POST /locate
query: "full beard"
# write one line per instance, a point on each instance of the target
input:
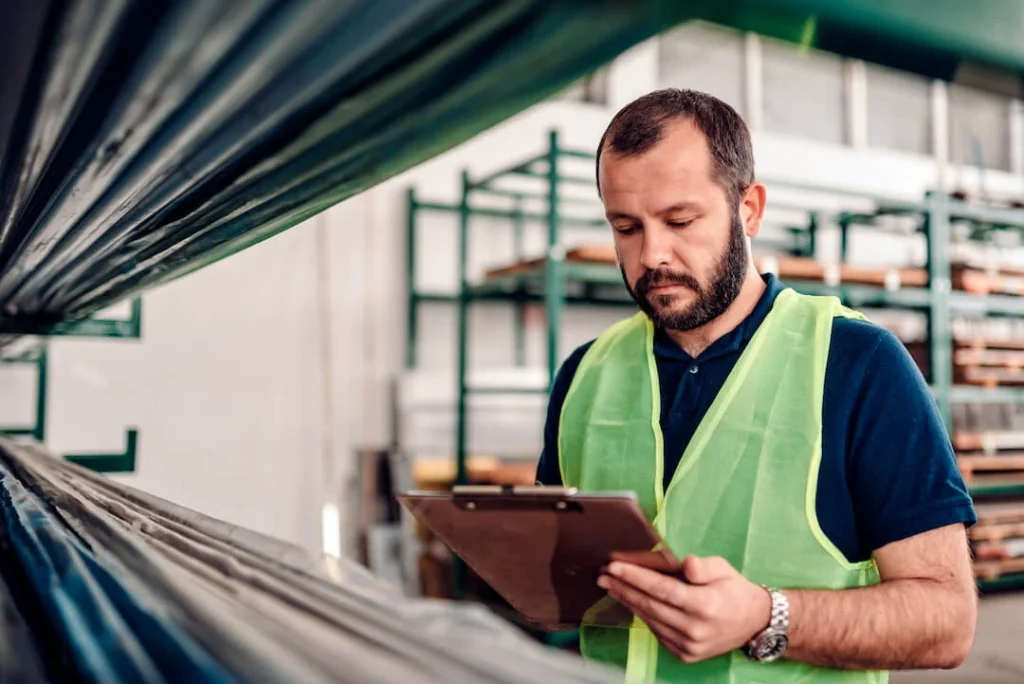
(710, 302)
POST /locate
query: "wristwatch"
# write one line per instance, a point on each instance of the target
(771, 643)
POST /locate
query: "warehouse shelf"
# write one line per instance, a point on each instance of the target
(561, 277)
(94, 326)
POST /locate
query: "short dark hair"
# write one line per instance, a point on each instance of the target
(638, 126)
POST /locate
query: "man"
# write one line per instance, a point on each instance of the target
(787, 449)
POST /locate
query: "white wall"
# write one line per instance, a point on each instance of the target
(258, 377)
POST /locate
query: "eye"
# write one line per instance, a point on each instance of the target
(627, 229)
(680, 224)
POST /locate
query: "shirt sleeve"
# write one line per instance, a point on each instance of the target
(902, 469)
(548, 471)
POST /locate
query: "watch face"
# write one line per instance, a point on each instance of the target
(770, 646)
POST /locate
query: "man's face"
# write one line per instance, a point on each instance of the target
(681, 244)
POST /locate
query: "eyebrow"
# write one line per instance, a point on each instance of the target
(678, 206)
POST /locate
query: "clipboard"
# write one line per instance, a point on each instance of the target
(543, 548)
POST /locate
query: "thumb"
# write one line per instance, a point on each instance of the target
(699, 570)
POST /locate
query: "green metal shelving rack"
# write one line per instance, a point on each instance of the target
(600, 285)
(38, 356)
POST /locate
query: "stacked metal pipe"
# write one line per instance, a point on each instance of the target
(104, 583)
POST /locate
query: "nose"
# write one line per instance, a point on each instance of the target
(657, 247)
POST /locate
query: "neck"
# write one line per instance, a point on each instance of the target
(695, 341)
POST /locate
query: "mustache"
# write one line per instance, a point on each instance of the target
(663, 277)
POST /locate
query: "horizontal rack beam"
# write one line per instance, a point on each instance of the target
(1007, 489)
(530, 173)
(966, 394)
(523, 195)
(964, 302)
(850, 293)
(510, 214)
(578, 154)
(503, 297)
(507, 390)
(1003, 216)
(483, 182)
(1011, 581)
(87, 327)
(18, 431)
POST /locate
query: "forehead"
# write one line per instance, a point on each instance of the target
(680, 161)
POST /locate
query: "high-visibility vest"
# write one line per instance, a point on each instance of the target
(745, 488)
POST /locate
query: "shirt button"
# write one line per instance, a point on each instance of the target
(693, 370)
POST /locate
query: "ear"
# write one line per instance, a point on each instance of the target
(752, 208)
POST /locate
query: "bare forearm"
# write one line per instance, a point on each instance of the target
(900, 624)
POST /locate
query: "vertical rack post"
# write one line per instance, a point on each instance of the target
(135, 322)
(553, 265)
(844, 238)
(940, 338)
(461, 472)
(42, 362)
(412, 298)
(518, 248)
(460, 455)
(812, 236)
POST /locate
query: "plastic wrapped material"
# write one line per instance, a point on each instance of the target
(148, 139)
(137, 589)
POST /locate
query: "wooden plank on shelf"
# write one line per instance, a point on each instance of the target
(1001, 512)
(584, 254)
(986, 376)
(997, 483)
(593, 254)
(439, 473)
(999, 548)
(806, 268)
(981, 282)
(989, 532)
(972, 463)
(966, 278)
(994, 569)
(975, 356)
(989, 343)
(989, 198)
(518, 268)
(988, 442)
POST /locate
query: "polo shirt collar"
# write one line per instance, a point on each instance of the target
(732, 340)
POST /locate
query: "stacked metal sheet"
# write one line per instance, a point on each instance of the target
(143, 139)
(107, 584)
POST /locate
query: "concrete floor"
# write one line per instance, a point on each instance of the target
(998, 653)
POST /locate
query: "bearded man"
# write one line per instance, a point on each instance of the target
(788, 450)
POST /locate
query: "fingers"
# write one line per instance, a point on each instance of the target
(698, 570)
(660, 586)
(645, 606)
(686, 637)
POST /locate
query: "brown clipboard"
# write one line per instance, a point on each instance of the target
(543, 548)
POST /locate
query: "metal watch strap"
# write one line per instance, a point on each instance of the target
(770, 643)
(780, 611)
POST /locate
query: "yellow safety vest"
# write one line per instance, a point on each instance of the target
(745, 488)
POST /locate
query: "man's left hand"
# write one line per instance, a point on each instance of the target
(715, 611)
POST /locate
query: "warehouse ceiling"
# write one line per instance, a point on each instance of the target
(141, 140)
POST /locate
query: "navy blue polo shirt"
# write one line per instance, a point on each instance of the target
(888, 470)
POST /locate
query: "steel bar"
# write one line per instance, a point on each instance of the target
(224, 604)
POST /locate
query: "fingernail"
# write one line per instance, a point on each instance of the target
(615, 569)
(603, 582)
